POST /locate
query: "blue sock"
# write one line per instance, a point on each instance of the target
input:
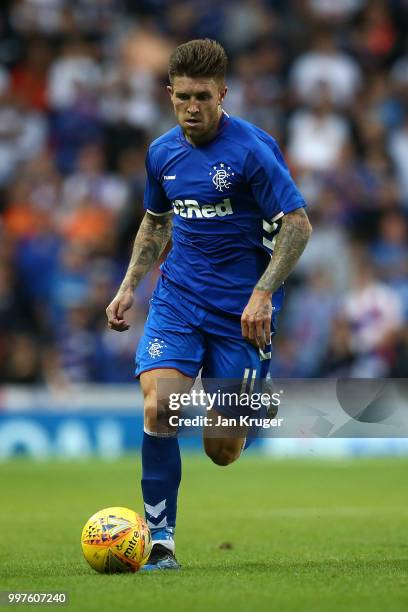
(161, 475)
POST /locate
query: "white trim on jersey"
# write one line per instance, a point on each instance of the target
(270, 244)
(263, 356)
(155, 214)
(270, 228)
(278, 216)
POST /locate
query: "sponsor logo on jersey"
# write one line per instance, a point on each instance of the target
(169, 177)
(220, 176)
(191, 208)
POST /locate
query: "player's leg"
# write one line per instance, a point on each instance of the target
(223, 444)
(230, 360)
(168, 358)
(161, 463)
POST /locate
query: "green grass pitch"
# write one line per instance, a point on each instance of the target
(308, 535)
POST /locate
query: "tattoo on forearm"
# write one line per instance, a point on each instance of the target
(151, 239)
(290, 244)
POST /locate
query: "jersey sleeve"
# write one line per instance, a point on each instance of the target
(155, 200)
(272, 185)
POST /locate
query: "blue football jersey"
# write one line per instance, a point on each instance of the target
(228, 197)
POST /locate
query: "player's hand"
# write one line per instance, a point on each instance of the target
(116, 309)
(256, 319)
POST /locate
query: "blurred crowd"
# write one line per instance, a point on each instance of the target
(82, 93)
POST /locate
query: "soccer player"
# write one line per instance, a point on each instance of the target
(220, 188)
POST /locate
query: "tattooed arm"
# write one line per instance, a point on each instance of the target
(151, 239)
(290, 243)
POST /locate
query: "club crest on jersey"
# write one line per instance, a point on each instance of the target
(155, 348)
(221, 174)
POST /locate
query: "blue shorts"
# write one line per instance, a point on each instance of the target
(183, 336)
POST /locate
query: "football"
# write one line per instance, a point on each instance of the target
(116, 540)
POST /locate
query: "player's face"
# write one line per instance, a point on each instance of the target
(197, 105)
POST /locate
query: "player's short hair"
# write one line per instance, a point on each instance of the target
(203, 57)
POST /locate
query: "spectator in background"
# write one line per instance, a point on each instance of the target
(70, 282)
(310, 312)
(92, 181)
(400, 367)
(75, 79)
(22, 134)
(30, 77)
(399, 73)
(36, 258)
(329, 250)
(339, 12)
(390, 253)
(317, 135)
(398, 147)
(375, 37)
(4, 81)
(339, 359)
(374, 316)
(76, 345)
(246, 23)
(324, 62)
(130, 85)
(257, 89)
(286, 360)
(89, 225)
(21, 363)
(390, 250)
(12, 312)
(45, 16)
(33, 198)
(74, 88)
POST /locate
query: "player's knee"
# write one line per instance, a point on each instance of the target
(150, 411)
(150, 422)
(222, 455)
(155, 412)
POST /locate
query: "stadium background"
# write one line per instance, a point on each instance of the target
(82, 93)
